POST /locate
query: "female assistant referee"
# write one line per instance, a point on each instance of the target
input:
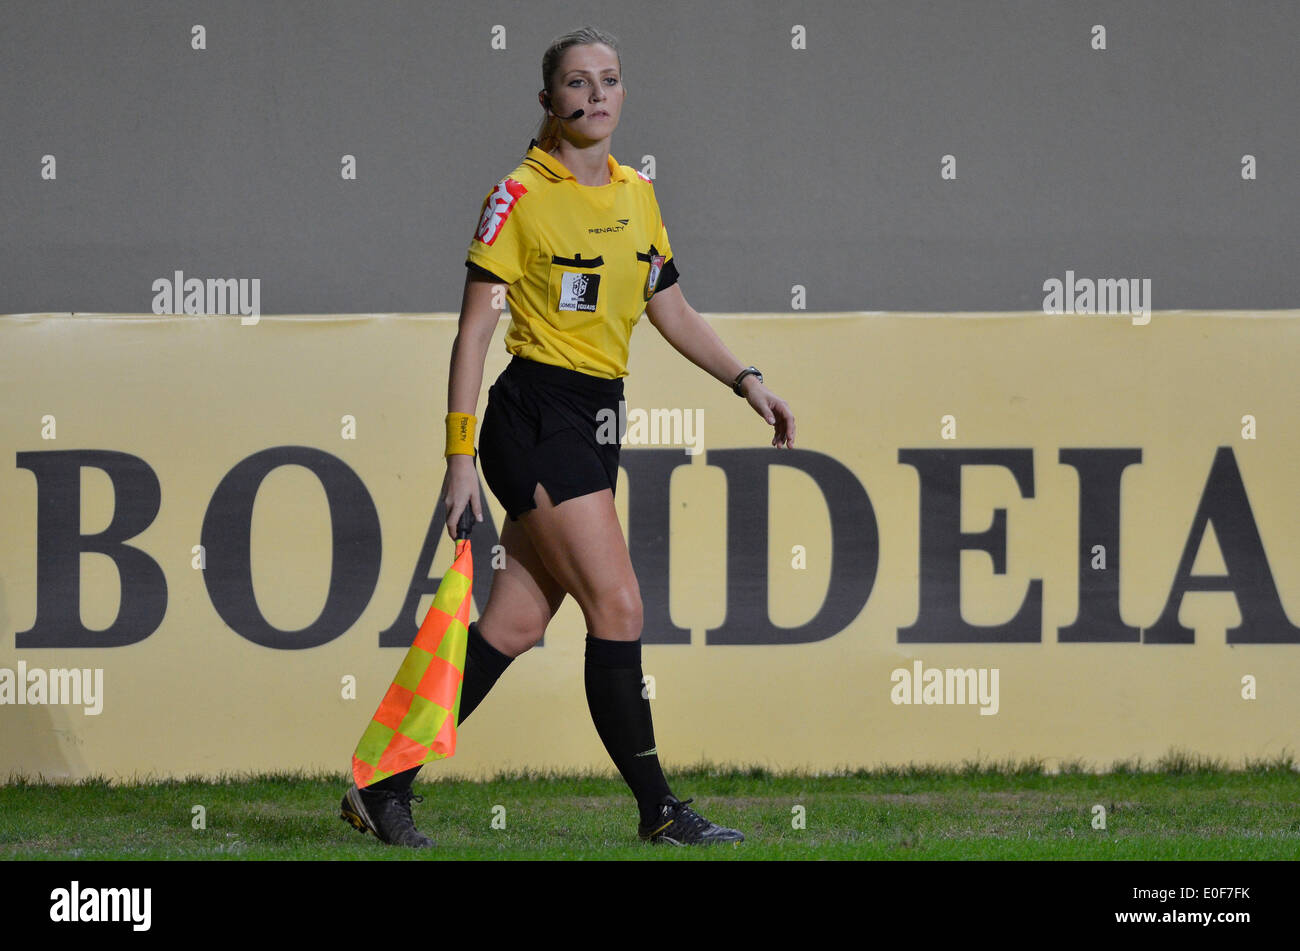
(577, 245)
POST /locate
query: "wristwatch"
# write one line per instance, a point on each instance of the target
(748, 371)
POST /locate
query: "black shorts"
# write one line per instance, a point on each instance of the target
(543, 423)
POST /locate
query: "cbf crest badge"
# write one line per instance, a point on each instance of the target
(656, 267)
(579, 292)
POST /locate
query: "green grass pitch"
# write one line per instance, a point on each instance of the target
(1178, 808)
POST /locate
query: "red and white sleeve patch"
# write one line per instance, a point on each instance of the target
(497, 210)
(642, 176)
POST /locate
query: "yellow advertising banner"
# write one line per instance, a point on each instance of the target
(1071, 537)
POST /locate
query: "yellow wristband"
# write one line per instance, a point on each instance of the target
(460, 434)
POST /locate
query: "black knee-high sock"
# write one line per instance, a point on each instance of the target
(483, 665)
(622, 718)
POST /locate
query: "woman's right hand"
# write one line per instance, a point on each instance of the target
(460, 488)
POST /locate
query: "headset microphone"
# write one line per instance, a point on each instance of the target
(577, 115)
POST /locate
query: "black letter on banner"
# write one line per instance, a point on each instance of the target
(939, 617)
(401, 633)
(1100, 472)
(1225, 504)
(649, 478)
(855, 546)
(227, 531)
(59, 544)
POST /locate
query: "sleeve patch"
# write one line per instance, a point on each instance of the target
(498, 208)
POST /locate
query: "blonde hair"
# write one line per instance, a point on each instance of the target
(548, 132)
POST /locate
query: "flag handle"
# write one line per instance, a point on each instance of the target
(466, 523)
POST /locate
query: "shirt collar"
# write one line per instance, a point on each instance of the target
(557, 169)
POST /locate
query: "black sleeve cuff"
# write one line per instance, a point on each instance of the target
(667, 276)
(481, 271)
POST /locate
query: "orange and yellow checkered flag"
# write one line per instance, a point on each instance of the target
(416, 721)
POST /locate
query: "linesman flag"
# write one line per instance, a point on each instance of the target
(416, 721)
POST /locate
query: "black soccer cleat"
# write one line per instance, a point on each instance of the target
(384, 813)
(677, 824)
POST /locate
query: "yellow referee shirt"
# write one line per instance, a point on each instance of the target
(581, 261)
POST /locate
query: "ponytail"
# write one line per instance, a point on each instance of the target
(548, 133)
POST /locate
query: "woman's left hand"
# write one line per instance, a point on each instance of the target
(773, 409)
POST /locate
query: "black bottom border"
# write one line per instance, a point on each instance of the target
(928, 899)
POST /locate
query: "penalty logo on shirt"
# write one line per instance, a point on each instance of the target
(579, 291)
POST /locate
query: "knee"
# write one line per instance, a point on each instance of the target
(513, 640)
(617, 613)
